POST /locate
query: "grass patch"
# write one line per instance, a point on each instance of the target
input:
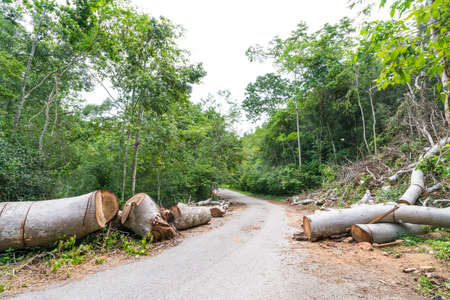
(432, 286)
(440, 245)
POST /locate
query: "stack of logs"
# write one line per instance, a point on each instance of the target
(41, 223)
(379, 223)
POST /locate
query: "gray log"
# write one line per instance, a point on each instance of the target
(383, 232)
(41, 223)
(190, 216)
(415, 189)
(324, 224)
(142, 215)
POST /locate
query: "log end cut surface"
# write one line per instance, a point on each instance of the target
(106, 206)
(307, 227)
(360, 235)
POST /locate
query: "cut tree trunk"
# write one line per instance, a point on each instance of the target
(142, 215)
(383, 232)
(41, 223)
(415, 189)
(325, 224)
(208, 201)
(186, 216)
(217, 211)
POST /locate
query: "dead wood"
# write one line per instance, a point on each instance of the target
(186, 216)
(142, 215)
(41, 223)
(217, 211)
(396, 242)
(326, 223)
(415, 189)
(383, 232)
(434, 188)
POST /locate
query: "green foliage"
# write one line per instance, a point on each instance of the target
(440, 246)
(438, 165)
(280, 180)
(22, 177)
(415, 40)
(429, 286)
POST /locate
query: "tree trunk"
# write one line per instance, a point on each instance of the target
(217, 211)
(142, 215)
(415, 189)
(298, 136)
(158, 179)
(374, 132)
(383, 232)
(189, 216)
(136, 151)
(362, 113)
(41, 223)
(325, 224)
(27, 70)
(53, 94)
(124, 168)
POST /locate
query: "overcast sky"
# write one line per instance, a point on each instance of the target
(217, 33)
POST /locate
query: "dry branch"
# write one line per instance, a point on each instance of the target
(41, 223)
(434, 188)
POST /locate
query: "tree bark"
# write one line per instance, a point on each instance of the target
(53, 94)
(189, 216)
(362, 113)
(136, 151)
(374, 124)
(415, 189)
(325, 224)
(143, 216)
(383, 232)
(41, 223)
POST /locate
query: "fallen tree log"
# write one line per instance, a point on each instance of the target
(303, 202)
(208, 202)
(41, 223)
(186, 216)
(415, 189)
(217, 211)
(326, 223)
(142, 215)
(383, 232)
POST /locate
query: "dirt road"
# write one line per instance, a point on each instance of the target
(249, 257)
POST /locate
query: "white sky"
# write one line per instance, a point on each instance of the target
(217, 33)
